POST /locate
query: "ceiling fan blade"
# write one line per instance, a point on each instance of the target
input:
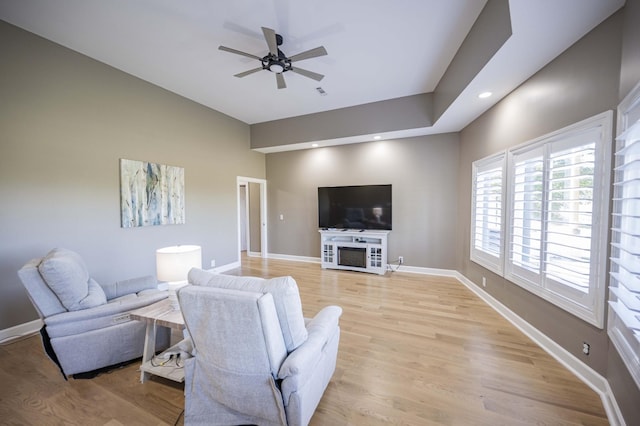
(238, 52)
(270, 37)
(306, 73)
(246, 73)
(313, 53)
(280, 81)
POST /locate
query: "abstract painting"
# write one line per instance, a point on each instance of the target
(151, 194)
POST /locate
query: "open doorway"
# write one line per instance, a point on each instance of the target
(252, 217)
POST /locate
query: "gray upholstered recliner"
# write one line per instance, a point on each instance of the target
(87, 324)
(257, 361)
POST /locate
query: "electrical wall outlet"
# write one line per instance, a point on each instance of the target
(401, 259)
(586, 348)
(213, 263)
(484, 281)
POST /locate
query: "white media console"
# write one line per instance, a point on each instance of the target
(354, 250)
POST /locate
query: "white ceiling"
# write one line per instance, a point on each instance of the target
(377, 49)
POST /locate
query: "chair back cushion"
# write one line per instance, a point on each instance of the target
(67, 276)
(284, 291)
(43, 298)
(237, 331)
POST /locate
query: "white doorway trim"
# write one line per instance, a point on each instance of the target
(242, 180)
(244, 205)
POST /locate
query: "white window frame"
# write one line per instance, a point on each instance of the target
(477, 254)
(624, 284)
(589, 306)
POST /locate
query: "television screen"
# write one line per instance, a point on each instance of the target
(355, 207)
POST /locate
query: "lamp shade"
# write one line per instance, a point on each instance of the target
(173, 263)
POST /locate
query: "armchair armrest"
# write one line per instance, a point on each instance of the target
(302, 361)
(73, 322)
(133, 285)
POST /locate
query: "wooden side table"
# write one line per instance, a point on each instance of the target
(158, 314)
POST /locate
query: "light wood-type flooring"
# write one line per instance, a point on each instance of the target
(414, 350)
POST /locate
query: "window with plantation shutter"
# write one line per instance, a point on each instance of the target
(487, 212)
(624, 283)
(558, 189)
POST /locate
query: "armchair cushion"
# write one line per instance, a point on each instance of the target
(285, 296)
(66, 274)
(130, 286)
(112, 313)
(321, 329)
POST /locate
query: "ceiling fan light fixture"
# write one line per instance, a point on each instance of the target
(276, 67)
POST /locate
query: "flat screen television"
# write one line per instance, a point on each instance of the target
(355, 207)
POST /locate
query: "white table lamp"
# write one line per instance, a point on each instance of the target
(173, 265)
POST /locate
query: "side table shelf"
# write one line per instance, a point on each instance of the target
(169, 371)
(158, 314)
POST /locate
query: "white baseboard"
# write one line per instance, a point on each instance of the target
(424, 271)
(293, 258)
(585, 373)
(225, 268)
(20, 330)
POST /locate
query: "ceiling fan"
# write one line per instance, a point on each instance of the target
(276, 61)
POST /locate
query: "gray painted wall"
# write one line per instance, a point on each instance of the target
(580, 83)
(423, 174)
(65, 121)
(630, 69)
(409, 112)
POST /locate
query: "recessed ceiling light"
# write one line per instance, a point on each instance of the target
(376, 137)
(314, 145)
(484, 95)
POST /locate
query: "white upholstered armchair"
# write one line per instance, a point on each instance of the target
(257, 361)
(86, 324)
